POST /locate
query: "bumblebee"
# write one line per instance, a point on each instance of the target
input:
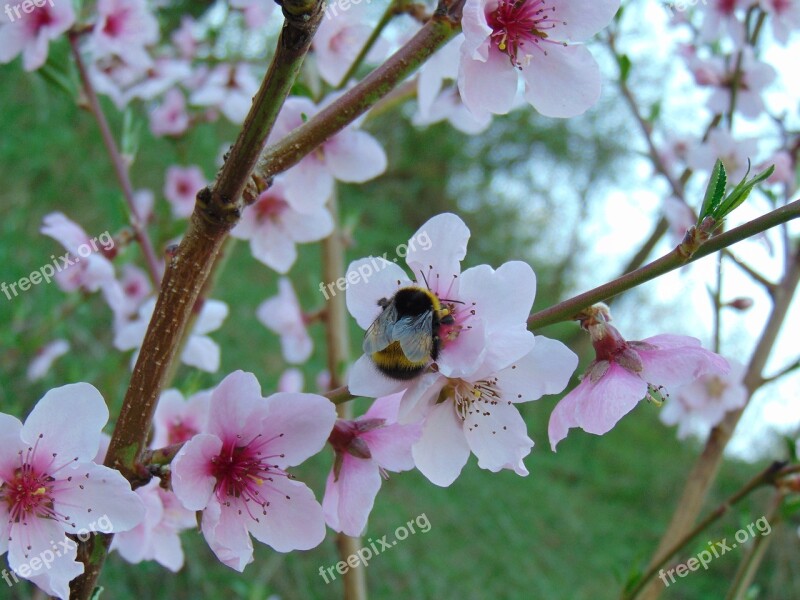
(405, 336)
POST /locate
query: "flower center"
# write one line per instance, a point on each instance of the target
(715, 387)
(519, 26)
(469, 397)
(180, 432)
(29, 493)
(243, 473)
(269, 207)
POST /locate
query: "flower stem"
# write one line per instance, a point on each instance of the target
(564, 311)
(120, 168)
(444, 24)
(337, 340)
(768, 476)
(386, 17)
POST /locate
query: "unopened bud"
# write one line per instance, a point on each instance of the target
(740, 303)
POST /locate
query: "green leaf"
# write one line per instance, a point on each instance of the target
(131, 133)
(624, 67)
(59, 76)
(714, 191)
(741, 192)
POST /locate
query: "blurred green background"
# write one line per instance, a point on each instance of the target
(574, 529)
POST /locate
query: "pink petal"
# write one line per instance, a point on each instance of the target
(276, 250)
(211, 316)
(354, 156)
(309, 184)
(390, 446)
(386, 408)
(352, 496)
(578, 20)
(421, 395)
(498, 436)
(201, 352)
(294, 519)
(442, 451)
(99, 499)
(563, 83)
(308, 227)
(237, 408)
(78, 403)
(11, 443)
(544, 370)
(367, 281)
(612, 397)
(227, 535)
(298, 425)
(35, 539)
(441, 243)
(364, 379)
(489, 86)
(192, 477)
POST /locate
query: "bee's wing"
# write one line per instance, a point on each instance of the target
(415, 335)
(379, 334)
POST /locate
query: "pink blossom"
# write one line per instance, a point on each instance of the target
(784, 17)
(283, 315)
(45, 357)
(170, 117)
(699, 406)
(734, 153)
(506, 39)
(200, 350)
(339, 39)
(157, 536)
(489, 307)
(163, 75)
(273, 224)
(127, 295)
(236, 472)
(291, 380)
(365, 449)
(755, 77)
(438, 101)
(184, 37)
(30, 33)
(177, 420)
(229, 88)
(784, 169)
(124, 28)
(478, 414)
(256, 12)
(180, 189)
(143, 201)
(351, 155)
(722, 17)
(623, 373)
(680, 218)
(86, 267)
(50, 486)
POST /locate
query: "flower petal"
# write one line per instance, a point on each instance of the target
(498, 436)
(75, 403)
(294, 519)
(563, 83)
(192, 478)
(297, 426)
(442, 451)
